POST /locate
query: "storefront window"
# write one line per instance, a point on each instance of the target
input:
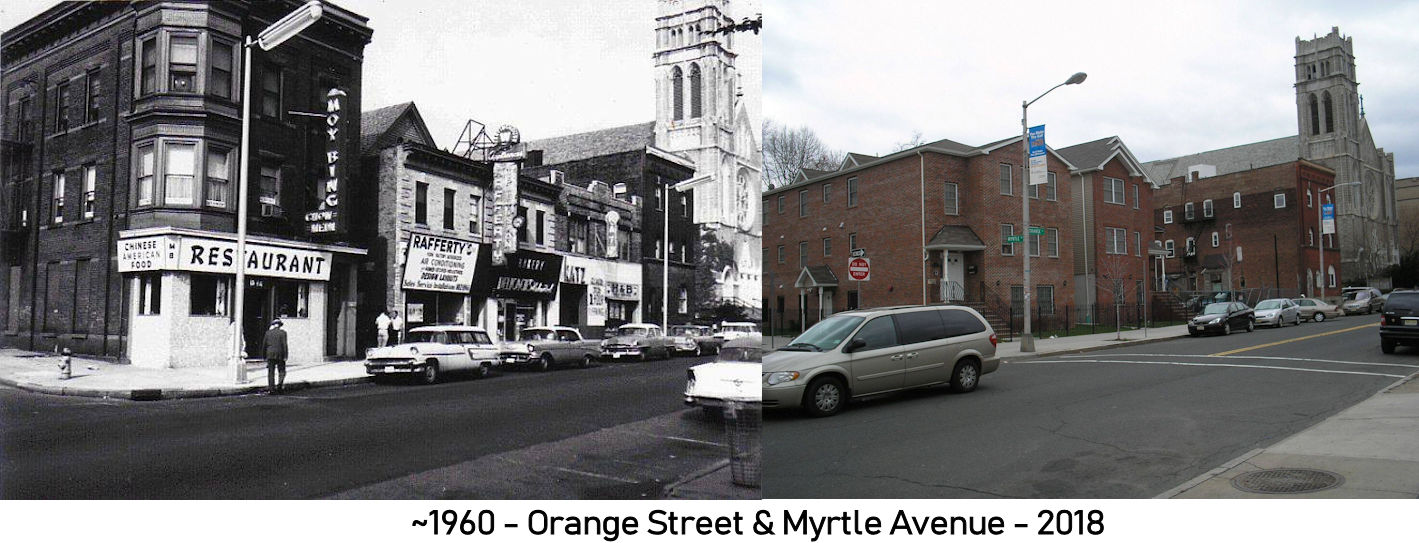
(150, 294)
(292, 299)
(210, 294)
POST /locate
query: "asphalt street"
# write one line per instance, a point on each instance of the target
(1129, 422)
(321, 442)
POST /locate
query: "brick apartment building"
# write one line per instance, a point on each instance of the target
(934, 221)
(120, 141)
(1249, 201)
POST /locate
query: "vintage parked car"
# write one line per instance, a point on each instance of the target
(874, 351)
(542, 347)
(428, 351)
(637, 342)
(1277, 312)
(1316, 309)
(704, 338)
(1222, 317)
(1400, 323)
(735, 330)
(1362, 300)
(734, 376)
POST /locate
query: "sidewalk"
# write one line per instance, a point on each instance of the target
(39, 372)
(1370, 450)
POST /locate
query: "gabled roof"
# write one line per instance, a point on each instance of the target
(1094, 155)
(855, 159)
(382, 127)
(809, 174)
(816, 276)
(1230, 160)
(572, 147)
(955, 237)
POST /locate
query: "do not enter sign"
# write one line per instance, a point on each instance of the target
(859, 268)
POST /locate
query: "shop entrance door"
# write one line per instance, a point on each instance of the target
(515, 318)
(256, 317)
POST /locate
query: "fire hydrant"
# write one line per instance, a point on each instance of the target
(66, 365)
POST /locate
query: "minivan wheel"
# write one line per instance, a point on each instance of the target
(824, 397)
(965, 377)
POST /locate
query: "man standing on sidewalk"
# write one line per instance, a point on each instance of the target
(381, 325)
(275, 357)
(398, 324)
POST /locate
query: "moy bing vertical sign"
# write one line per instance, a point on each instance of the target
(326, 217)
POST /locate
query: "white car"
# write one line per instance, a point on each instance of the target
(735, 330)
(734, 376)
(428, 351)
(636, 342)
(1277, 312)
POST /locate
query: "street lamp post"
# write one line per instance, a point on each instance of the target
(1027, 341)
(274, 35)
(1320, 226)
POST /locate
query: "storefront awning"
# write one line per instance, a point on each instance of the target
(528, 275)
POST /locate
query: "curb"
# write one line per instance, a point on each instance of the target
(156, 394)
(1214, 472)
(1094, 348)
(701, 473)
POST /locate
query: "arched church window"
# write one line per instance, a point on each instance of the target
(1315, 115)
(677, 82)
(695, 91)
(1329, 116)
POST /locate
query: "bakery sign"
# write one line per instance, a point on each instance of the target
(326, 217)
(220, 256)
(438, 263)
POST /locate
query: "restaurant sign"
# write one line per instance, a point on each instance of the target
(326, 217)
(528, 274)
(438, 263)
(220, 256)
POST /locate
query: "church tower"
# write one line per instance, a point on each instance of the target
(1333, 132)
(700, 113)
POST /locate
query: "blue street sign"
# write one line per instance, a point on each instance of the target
(1327, 219)
(1039, 170)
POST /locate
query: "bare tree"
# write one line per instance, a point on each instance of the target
(787, 150)
(914, 142)
(1116, 276)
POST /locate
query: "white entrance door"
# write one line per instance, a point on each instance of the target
(953, 284)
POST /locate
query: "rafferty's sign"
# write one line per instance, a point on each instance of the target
(220, 256)
(438, 263)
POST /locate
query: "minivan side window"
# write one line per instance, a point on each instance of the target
(961, 323)
(919, 326)
(879, 333)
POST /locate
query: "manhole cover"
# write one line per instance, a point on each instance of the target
(1287, 481)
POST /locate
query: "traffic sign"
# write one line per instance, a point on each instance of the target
(1014, 239)
(859, 268)
(1037, 230)
(857, 252)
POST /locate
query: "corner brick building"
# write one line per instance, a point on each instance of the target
(120, 160)
(934, 220)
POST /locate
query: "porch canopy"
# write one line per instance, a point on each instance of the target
(953, 237)
(816, 276)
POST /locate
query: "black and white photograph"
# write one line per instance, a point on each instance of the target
(370, 249)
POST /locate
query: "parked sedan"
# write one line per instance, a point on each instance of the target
(1277, 312)
(1222, 317)
(428, 351)
(637, 342)
(542, 347)
(1316, 309)
(703, 338)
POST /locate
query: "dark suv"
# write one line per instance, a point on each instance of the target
(1400, 323)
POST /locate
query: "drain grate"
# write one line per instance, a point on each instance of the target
(1287, 481)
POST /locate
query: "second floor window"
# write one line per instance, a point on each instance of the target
(952, 205)
(802, 254)
(1006, 247)
(1117, 241)
(219, 175)
(475, 211)
(1170, 247)
(1167, 216)
(827, 192)
(145, 175)
(827, 246)
(58, 199)
(182, 63)
(271, 92)
(541, 227)
(269, 192)
(1236, 200)
(1113, 191)
(802, 203)
(1007, 185)
(1188, 213)
(449, 195)
(851, 191)
(421, 203)
(220, 66)
(91, 181)
(1207, 208)
(91, 100)
(179, 172)
(149, 67)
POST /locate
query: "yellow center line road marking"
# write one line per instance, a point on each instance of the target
(1209, 365)
(1244, 357)
(1312, 336)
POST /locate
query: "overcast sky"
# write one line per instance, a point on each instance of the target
(1170, 78)
(548, 67)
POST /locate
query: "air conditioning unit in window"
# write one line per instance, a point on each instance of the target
(558, 177)
(272, 210)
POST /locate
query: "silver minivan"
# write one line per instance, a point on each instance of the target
(874, 351)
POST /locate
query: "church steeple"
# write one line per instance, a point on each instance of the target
(1327, 95)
